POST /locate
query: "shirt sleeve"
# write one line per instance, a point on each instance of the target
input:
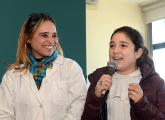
(77, 92)
(7, 98)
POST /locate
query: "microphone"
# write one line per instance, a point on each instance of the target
(111, 64)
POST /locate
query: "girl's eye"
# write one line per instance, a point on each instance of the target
(123, 45)
(111, 46)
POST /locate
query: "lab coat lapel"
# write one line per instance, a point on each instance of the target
(49, 72)
(29, 78)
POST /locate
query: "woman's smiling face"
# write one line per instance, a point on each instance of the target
(122, 50)
(44, 41)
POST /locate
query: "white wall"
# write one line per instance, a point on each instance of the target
(101, 21)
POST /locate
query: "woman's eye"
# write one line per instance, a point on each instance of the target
(44, 35)
(54, 36)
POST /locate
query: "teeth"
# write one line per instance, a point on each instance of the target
(48, 47)
(116, 58)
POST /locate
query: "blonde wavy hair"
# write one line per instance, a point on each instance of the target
(29, 28)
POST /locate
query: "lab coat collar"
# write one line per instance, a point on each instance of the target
(49, 72)
(59, 60)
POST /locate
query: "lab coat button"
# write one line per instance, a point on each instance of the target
(40, 106)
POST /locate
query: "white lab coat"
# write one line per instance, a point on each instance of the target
(61, 96)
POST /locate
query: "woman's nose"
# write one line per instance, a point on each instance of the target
(50, 40)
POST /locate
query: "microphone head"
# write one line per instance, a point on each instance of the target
(112, 63)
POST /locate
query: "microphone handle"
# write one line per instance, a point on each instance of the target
(103, 93)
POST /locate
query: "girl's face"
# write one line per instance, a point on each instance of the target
(44, 41)
(122, 50)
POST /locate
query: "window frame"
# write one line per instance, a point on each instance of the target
(152, 46)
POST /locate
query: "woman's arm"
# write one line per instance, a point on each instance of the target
(77, 92)
(6, 98)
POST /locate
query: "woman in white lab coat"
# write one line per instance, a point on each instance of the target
(41, 84)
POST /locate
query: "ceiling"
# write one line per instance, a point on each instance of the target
(139, 1)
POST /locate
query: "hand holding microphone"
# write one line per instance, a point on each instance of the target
(105, 81)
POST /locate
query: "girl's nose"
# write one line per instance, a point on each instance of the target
(116, 50)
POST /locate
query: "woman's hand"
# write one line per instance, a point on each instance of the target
(104, 83)
(135, 92)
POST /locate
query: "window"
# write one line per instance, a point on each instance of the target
(158, 45)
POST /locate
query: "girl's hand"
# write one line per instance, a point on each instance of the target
(135, 92)
(104, 83)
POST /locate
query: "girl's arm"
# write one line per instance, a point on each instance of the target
(145, 110)
(92, 106)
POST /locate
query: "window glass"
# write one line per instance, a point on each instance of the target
(159, 57)
(158, 31)
(158, 37)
